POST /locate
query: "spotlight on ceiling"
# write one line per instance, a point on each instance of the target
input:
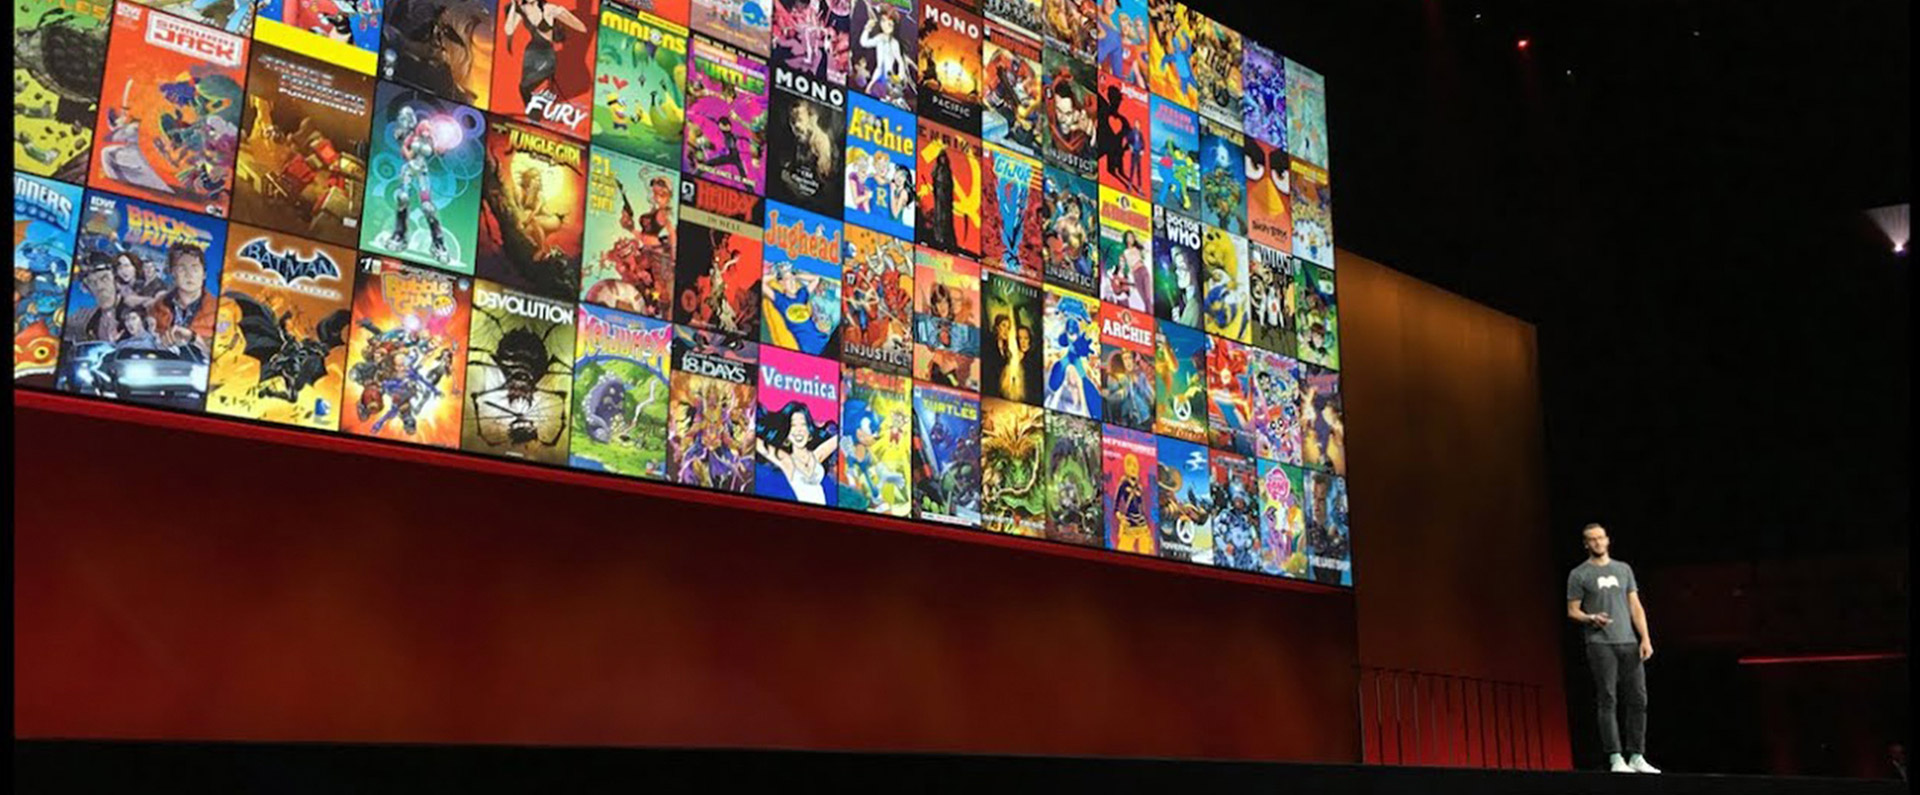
(1892, 220)
(1523, 43)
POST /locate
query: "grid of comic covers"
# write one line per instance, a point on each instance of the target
(1062, 270)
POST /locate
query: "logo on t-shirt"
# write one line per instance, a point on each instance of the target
(1608, 581)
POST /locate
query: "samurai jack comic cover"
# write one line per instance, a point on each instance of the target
(1123, 42)
(1323, 428)
(807, 143)
(797, 433)
(746, 24)
(1011, 216)
(946, 320)
(1179, 383)
(946, 455)
(1071, 113)
(1073, 481)
(726, 122)
(640, 86)
(1130, 496)
(620, 393)
(1072, 327)
(1269, 196)
(1283, 519)
(1070, 227)
(1263, 104)
(1012, 114)
(519, 375)
(1021, 15)
(543, 63)
(877, 446)
(1175, 137)
(1273, 297)
(877, 302)
(1238, 542)
(280, 338)
(1170, 52)
(1126, 250)
(1306, 114)
(1216, 64)
(169, 120)
(1185, 480)
(1318, 314)
(1013, 468)
(710, 434)
(60, 57)
(407, 353)
(882, 142)
(1229, 408)
(532, 202)
(302, 161)
(443, 47)
(1329, 545)
(1126, 362)
(46, 225)
(1223, 260)
(423, 179)
(1176, 267)
(950, 65)
(717, 268)
(633, 214)
(800, 307)
(1276, 406)
(1223, 178)
(886, 50)
(810, 37)
(1312, 215)
(948, 181)
(1120, 137)
(1013, 347)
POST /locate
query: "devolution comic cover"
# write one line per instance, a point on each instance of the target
(1013, 468)
(877, 441)
(881, 145)
(1312, 215)
(797, 428)
(1223, 260)
(877, 302)
(1071, 324)
(811, 37)
(1323, 429)
(746, 24)
(1263, 103)
(1185, 481)
(407, 353)
(800, 304)
(1223, 178)
(946, 320)
(946, 455)
(620, 393)
(1276, 406)
(726, 116)
(1329, 547)
(1012, 345)
(280, 335)
(1269, 196)
(947, 177)
(1126, 250)
(1176, 267)
(543, 62)
(443, 47)
(1011, 216)
(710, 433)
(1283, 518)
(1175, 138)
(1070, 229)
(519, 375)
(1170, 52)
(1126, 365)
(423, 179)
(718, 265)
(1229, 408)
(1073, 480)
(60, 56)
(1130, 495)
(301, 166)
(532, 202)
(1238, 542)
(633, 214)
(46, 227)
(1179, 383)
(1306, 114)
(1272, 296)
(806, 142)
(1072, 114)
(1123, 42)
(1216, 63)
(950, 65)
(1013, 103)
(1121, 135)
(886, 52)
(640, 86)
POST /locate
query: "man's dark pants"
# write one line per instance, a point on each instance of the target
(1619, 677)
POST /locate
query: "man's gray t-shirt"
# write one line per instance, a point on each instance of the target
(1604, 589)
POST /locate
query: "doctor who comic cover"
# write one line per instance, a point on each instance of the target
(1176, 267)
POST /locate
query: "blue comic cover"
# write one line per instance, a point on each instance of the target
(800, 294)
(46, 221)
(880, 154)
(1185, 481)
(946, 455)
(423, 179)
(1329, 546)
(1223, 177)
(1263, 106)
(1071, 324)
(1174, 134)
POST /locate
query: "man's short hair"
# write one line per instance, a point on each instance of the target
(1591, 526)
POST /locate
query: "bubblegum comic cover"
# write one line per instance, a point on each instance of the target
(1130, 495)
(1238, 542)
(233, 17)
(1283, 519)
(142, 304)
(519, 375)
(543, 63)
(1071, 113)
(46, 223)
(1229, 408)
(886, 50)
(1276, 406)
(1319, 318)
(811, 37)
(807, 143)
(1272, 295)
(1216, 64)
(1185, 480)
(423, 179)
(797, 430)
(800, 305)
(881, 144)
(948, 179)
(710, 433)
(726, 117)
(1011, 230)
(1023, 15)
(640, 86)
(443, 47)
(280, 337)
(532, 203)
(1179, 383)
(1223, 178)
(169, 120)
(1072, 326)
(1223, 259)
(1170, 52)
(877, 302)
(1263, 104)
(1126, 358)
(1126, 250)
(1070, 226)
(1012, 113)
(1073, 28)
(946, 455)
(1012, 347)
(877, 441)
(946, 320)
(1312, 215)
(1323, 429)
(1175, 137)
(950, 65)
(1306, 114)
(1073, 481)
(718, 265)
(746, 24)
(355, 23)
(1120, 137)
(1329, 546)
(301, 166)
(620, 393)
(1176, 267)
(1013, 468)
(1269, 196)
(407, 353)
(632, 218)
(1123, 42)
(60, 53)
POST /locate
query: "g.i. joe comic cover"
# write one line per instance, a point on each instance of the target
(1216, 63)
(1229, 408)
(710, 433)
(950, 65)
(1072, 114)
(796, 446)
(60, 55)
(810, 37)
(1072, 329)
(620, 393)
(1276, 406)
(1179, 383)
(1306, 114)
(1073, 480)
(876, 312)
(169, 111)
(1312, 215)
(1023, 15)
(1013, 468)
(881, 145)
(280, 338)
(423, 179)
(1126, 363)
(886, 51)
(1269, 196)
(877, 443)
(1175, 137)
(543, 61)
(519, 375)
(1263, 104)
(742, 23)
(633, 214)
(726, 119)
(1329, 547)
(302, 161)
(1123, 42)
(1130, 494)
(1170, 52)
(1272, 295)
(1120, 136)
(1185, 481)
(1323, 428)
(1176, 267)
(1223, 178)
(640, 86)
(807, 143)
(532, 201)
(444, 47)
(718, 265)
(1238, 542)
(1012, 347)
(948, 180)
(1011, 217)
(1070, 227)
(1223, 260)
(1283, 518)
(407, 353)
(946, 455)
(946, 320)
(800, 305)
(1126, 250)
(1013, 113)
(1318, 316)
(46, 223)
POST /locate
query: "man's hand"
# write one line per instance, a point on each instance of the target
(1646, 650)
(1599, 619)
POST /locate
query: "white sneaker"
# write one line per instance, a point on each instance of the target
(1638, 764)
(1620, 765)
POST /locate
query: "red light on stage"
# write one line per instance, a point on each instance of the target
(1523, 44)
(1792, 659)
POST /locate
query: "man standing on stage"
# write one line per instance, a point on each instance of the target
(1597, 591)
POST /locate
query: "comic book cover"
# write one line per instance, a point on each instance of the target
(1120, 137)
(1318, 316)
(1306, 114)
(423, 179)
(1126, 363)
(677, 12)
(877, 302)
(1169, 52)
(1123, 42)
(886, 52)
(1072, 326)
(1223, 178)
(46, 223)
(532, 210)
(726, 116)
(1073, 28)
(1129, 469)
(1323, 429)
(1013, 468)
(717, 268)
(710, 433)
(1272, 296)
(1216, 64)
(950, 65)
(1185, 480)
(640, 86)
(881, 145)
(280, 334)
(1069, 230)
(1283, 519)
(1011, 216)
(946, 320)
(800, 304)
(235, 17)
(620, 393)
(1012, 350)
(812, 37)
(875, 453)
(1223, 258)
(946, 455)
(1073, 481)
(1263, 103)
(1176, 267)
(60, 57)
(301, 166)
(1012, 112)
(1072, 114)
(443, 47)
(543, 62)
(1238, 542)
(807, 143)
(797, 430)
(142, 302)
(1175, 137)
(1329, 546)
(1126, 271)
(181, 82)
(746, 24)
(349, 30)
(407, 353)
(632, 217)
(1269, 196)
(1229, 407)
(1312, 215)
(1276, 406)
(1179, 383)
(519, 375)
(948, 179)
